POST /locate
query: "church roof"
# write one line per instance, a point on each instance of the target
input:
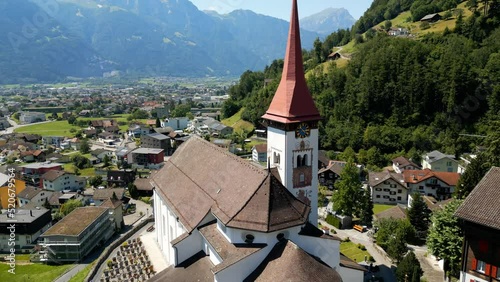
(239, 194)
(288, 262)
(271, 208)
(292, 102)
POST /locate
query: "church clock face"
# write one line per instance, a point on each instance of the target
(302, 131)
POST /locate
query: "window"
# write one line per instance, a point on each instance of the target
(433, 181)
(385, 197)
(393, 185)
(498, 273)
(28, 239)
(448, 163)
(399, 198)
(392, 193)
(302, 178)
(400, 191)
(378, 189)
(378, 196)
(481, 266)
(421, 187)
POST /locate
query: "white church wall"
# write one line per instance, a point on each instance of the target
(189, 246)
(349, 274)
(238, 236)
(240, 270)
(213, 255)
(327, 250)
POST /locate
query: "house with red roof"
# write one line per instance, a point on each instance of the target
(437, 184)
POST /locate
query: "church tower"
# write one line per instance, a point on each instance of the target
(292, 118)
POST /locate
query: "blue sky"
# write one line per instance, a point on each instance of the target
(281, 8)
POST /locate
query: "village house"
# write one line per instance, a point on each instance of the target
(144, 187)
(120, 178)
(116, 209)
(151, 158)
(388, 188)
(234, 221)
(157, 141)
(33, 195)
(31, 173)
(30, 224)
(180, 123)
(481, 221)
(431, 18)
(259, 153)
(437, 184)
(401, 164)
(438, 161)
(61, 180)
(101, 195)
(398, 31)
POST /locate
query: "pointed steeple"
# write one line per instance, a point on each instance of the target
(292, 102)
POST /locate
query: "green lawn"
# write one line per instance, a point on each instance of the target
(80, 276)
(380, 208)
(55, 128)
(36, 272)
(237, 123)
(351, 250)
(69, 167)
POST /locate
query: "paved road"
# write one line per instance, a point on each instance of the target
(429, 265)
(15, 125)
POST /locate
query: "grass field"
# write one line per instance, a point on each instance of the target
(54, 128)
(351, 250)
(380, 208)
(83, 172)
(36, 272)
(237, 123)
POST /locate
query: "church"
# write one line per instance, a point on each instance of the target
(221, 218)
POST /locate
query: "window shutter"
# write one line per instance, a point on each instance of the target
(494, 271)
(487, 269)
(474, 264)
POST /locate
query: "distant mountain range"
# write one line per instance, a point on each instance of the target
(328, 21)
(42, 42)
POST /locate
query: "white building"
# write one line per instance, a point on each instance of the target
(59, 180)
(438, 161)
(180, 123)
(34, 195)
(31, 117)
(388, 188)
(234, 221)
(437, 184)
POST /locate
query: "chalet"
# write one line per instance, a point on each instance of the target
(431, 18)
(388, 188)
(328, 175)
(333, 56)
(61, 180)
(144, 187)
(120, 178)
(84, 113)
(437, 184)
(480, 213)
(396, 212)
(101, 195)
(401, 164)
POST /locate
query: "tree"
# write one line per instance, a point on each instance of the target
(397, 247)
(409, 269)
(366, 207)
(71, 119)
(80, 161)
(95, 181)
(418, 215)
(132, 189)
(446, 237)
(84, 146)
(69, 206)
(229, 108)
(471, 177)
(345, 198)
(158, 123)
(387, 25)
(106, 161)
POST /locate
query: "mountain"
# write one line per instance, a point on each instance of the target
(328, 21)
(89, 38)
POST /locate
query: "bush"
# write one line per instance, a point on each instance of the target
(371, 259)
(334, 221)
(332, 231)
(347, 239)
(361, 247)
(425, 25)
(109, 263)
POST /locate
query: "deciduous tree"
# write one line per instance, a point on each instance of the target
(348, 190)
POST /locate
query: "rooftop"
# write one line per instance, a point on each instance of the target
(375, 178)
(147, 151)
(76, 221)
(23, 215)
(436, 156)
(197, 268)
(481, 206)
(41, 165)
(158, 136)
(417, 176)
(53, 175)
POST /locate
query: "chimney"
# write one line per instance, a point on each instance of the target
(31, 213)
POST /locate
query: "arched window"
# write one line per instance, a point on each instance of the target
(302, 178)
(299, 161)
(304, 160)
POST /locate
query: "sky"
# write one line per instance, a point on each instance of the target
(281, 8)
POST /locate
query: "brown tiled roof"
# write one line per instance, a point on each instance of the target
(323, 158)
(197, 268)
(292, 101)
(261, 148)
(349, 263)
(334, 166)
(54, 199)
(417, 176)
(29, 192)
(110, 203)
(107, 193)
(143, 184)
(482, 205)
(288, 262)
(212, 179)
(271, 208)
(396, 212)
(52, 175)
(229, 253)
(402, 162)
(375, 178)
(76, 221)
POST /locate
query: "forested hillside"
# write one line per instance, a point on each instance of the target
(399, 95)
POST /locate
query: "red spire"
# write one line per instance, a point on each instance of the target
(292, 102)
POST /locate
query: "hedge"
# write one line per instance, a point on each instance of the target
(334, 221)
